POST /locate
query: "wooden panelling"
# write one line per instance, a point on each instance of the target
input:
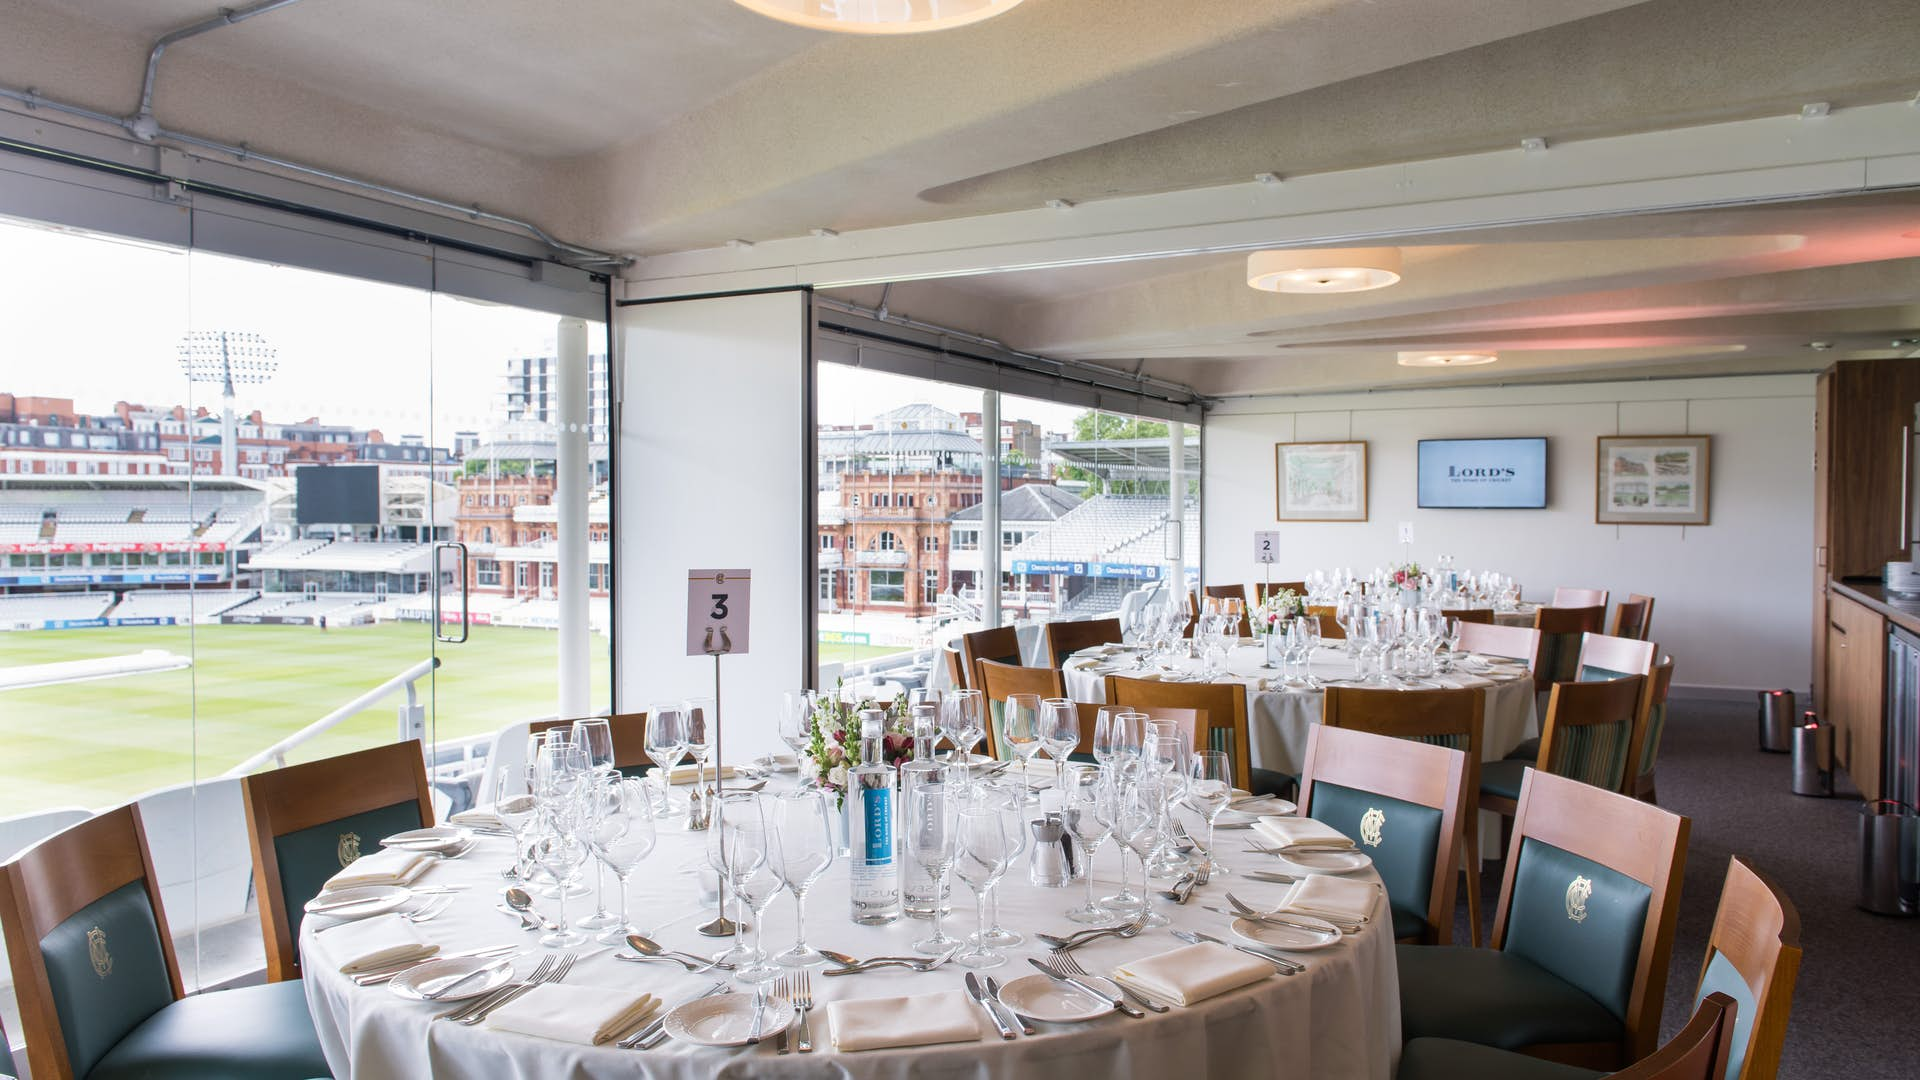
(1856, 680)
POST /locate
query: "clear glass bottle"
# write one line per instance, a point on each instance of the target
(873, 868)
(917, 886)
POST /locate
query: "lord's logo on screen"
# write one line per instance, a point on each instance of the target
(1578, 892)
(348, 848)
(97, 952)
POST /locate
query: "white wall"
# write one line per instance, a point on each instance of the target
(710, 475)
(1733, 598)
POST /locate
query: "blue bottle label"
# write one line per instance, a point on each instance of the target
(877, 806)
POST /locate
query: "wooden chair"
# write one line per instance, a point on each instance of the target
(1262, 591)
(1232, 592)
(307, 822)
(1000, 644)
(1455, 719)
(1654, 724)
(1222, 709)
(1632, 617)
(1579, 598)
(1602, 657)
(629, 739)
(1481, 615)
(1753, 956)
(997, 682)
(1697, 1052)
(1401, 801)
(1588, 737)
(956, 666)
(1581, 938)
(1330, 628)
(1066, 638)
(99, 984)
(1560, 631)
(1492, 639)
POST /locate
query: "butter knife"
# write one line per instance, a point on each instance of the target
(979, 995)
(1119, 1004)
(1286, 966)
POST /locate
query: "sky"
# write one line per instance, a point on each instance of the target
(99, 320)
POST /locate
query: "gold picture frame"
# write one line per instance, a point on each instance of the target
(1653, 480)
(1320, 481)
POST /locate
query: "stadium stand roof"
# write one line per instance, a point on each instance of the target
(1028, 502)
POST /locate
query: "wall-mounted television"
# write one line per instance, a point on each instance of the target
(1483, 474)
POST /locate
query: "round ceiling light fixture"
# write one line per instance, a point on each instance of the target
(1330, 270)
(1446, 359)
(879, 16)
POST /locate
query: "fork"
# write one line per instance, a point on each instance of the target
(786, 990)
(559, 972)
(461, 1013)
(912, 963)
(1067, 965)
(1057, 962)
(803, 1000)
(1123, 932)
(429, 911)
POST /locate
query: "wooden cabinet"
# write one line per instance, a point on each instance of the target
(1856, 688)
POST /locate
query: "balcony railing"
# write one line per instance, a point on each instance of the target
(880, 558)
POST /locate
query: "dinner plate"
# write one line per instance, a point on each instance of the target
(726, 1019)
(1263, 808)
(1327, 860)
(359, 902)
(407, 984)
(1290, 938)
(1040, 998)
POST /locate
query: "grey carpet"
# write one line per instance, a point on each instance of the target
(1856, 1008)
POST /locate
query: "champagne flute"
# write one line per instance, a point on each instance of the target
(803, 845)
(666, 745)
(982, 853)
(1209, 789)
(621, 835)
(1020, 731)
(1060, 734)
(594, 736)
(929, 842)
(1089, 809)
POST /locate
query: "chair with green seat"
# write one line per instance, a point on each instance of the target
(997, 682)
(629, 732)
(1655, 724)
(1066, 637)
(1581, 938)
(1453, 718)
(1520, 643)
(1601, 657)
(1222, 709)
(308, 822)
(98, 982)
(1402, 801)
(1588, 737)
(1561, 630)
(1000, 645)
(1697, 1052)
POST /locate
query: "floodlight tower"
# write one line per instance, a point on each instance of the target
(227, 357)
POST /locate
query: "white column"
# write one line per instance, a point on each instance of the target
(571, 482)
(1177, 505)
(990, 508)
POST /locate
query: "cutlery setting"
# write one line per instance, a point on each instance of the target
(551, 969)
(911, 963)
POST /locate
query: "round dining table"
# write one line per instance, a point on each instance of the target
(1339, 1017)
(1280, 714)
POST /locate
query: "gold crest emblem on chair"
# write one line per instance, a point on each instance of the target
(1371, 824)
(349, 848)
(97, 952)
(1578, 890)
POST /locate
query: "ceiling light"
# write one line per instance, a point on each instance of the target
(1822, 346)
(879, 16)
(1446, 359)
(1331, 270)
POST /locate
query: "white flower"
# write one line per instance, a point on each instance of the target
(837, 776)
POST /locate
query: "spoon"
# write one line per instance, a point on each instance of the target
(519, 900)
(651, 949)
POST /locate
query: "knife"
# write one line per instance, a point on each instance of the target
(1286, 966)
(1277, 919)
(442, 987)
(1118, 1004)
(655, 1032)
(993, 989)
(979, 996)
(1271, 876)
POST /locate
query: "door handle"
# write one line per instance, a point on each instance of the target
(437, 634)
(1906, 479)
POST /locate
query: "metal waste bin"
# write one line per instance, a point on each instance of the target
(1813, 758)
(1888, 882)
(1776, 720)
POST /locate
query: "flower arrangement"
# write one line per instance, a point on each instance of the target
(1275, 608)
(1407, 575)
(834, 747)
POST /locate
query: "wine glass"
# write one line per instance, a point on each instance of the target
(700, 717)
(803, 847)
(1012, 808)
(1165, 756)
(1136, 825)
(1089, 809)
(1021, 732)
(962, 720)
(1059, 734)
(620, 835)
(1116, 733)
(1209, 788)
(982, 851)
(929, 842)
(1450, 636)
(517, 813)
(737, 851)
(666, 745)
(1310, 627)
(796, 723)
(594, 736)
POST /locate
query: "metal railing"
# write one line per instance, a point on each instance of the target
(277, 753)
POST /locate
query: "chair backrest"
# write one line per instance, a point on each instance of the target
(1603, 656)
(956, 667)
(1232, 592)
(1400, 800)
(1089, 714)
(1697, 1052)
(307, 822)
(1330, 628)
(1588, 733)
(1753, 956)
(629, 732)
(1000, 644)
(1653, 722)
(1560, 631)
(1066, 638)
(997, 682)
(1579, 598)
(1632, 617)
(1481, 615)
(1220, 708)
(1491, 639)
(88, 941)
(1264, 590)
(1592, 892)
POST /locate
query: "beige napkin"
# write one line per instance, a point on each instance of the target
(1301, 832)
(388, 866)
(684, 774)
(373, 943)
(1339, 899)
(587, 1015)
(1193, 973)
(921, 1020)
(480, 817)
(1465, 679)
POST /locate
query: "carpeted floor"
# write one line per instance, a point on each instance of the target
(1856, 1008)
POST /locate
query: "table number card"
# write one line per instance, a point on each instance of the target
(1266, 546)
(1406, 532)
(717, 605)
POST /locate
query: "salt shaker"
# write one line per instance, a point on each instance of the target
(1047, 862)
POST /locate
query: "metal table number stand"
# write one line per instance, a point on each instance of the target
(716, 603)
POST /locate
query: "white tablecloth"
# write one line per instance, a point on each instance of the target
(1341, 1018)
(1278, 719)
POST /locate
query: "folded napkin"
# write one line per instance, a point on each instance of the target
(1301, 832)
(587, 1015)
(684, 774)
(1466, 680)
(1338, 899)
(388, 866)
(378, 942)
(921, 1020)
(1193, 973)
(479, 817)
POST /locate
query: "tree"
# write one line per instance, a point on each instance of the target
(1096, 426)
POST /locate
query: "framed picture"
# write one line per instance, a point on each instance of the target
(1652, 480)
(1320, 481)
